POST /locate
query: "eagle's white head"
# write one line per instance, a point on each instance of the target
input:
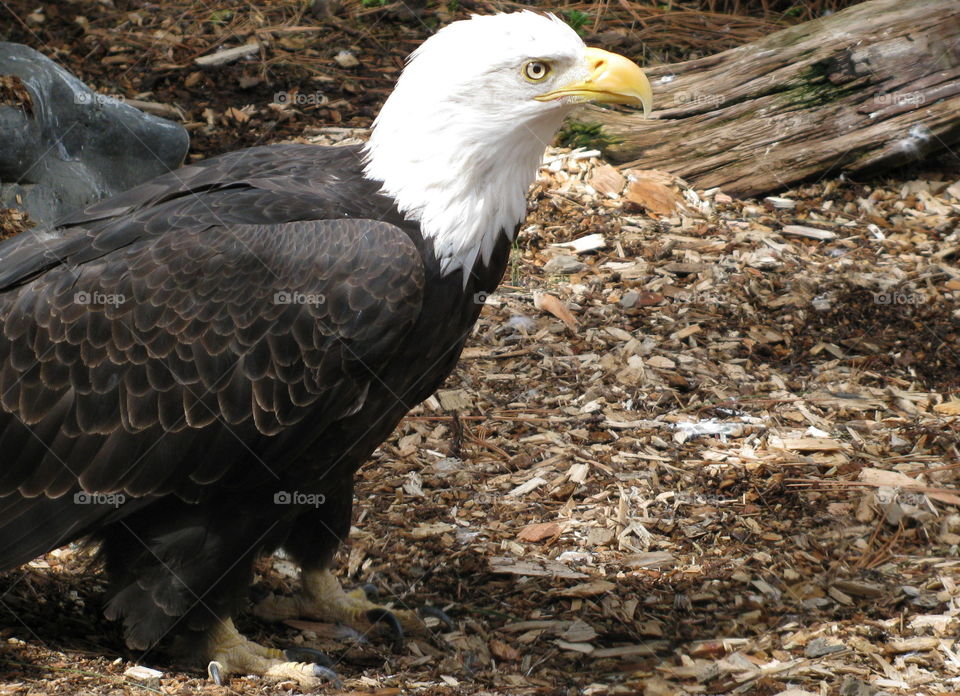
(458, 142)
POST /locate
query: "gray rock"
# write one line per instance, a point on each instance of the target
(69, 146)
(814, 603)
(562, 264)
(852, 686)
(818, 647)
(629, 299)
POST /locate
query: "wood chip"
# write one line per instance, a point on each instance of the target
(525, 488)
(918, 644)
(549, 303)
(503, 651)
(228, 55)
(584, 648)
(535, 568)
(652, 559)
(808, 232)
(539, 532)
(607, 181)
(810, 444)
(433, 529)
(652, 196)
(650, 649)
(581, 245)
(455, 399)
(894, 479)
(144, 675)
(588, 589)
(948, 408)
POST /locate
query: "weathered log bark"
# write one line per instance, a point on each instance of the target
(873, 86)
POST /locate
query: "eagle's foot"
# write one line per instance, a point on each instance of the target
(231, 653)
(323, 599)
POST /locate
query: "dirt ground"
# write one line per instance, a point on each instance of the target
(712, 450)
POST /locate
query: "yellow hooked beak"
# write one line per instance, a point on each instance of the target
(613, 80)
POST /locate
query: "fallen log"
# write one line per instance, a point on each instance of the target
(874, 86)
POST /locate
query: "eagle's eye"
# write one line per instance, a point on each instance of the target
(536, 70)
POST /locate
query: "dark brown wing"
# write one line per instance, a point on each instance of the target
(266, 185)
(153, 362)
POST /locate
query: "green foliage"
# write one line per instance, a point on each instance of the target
(220, 16)
(576, 134)
(516, 262)
(374, 3)
(453, 5)
(814, 88)
(577, 20)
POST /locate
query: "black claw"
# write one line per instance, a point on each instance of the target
(371, 591)
(296, 653)
(258, 593)
(216, 676)
(440, 614)
(388, 617)
(322, 672)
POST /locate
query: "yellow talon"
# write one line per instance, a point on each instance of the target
(322, 598)
(231, 653)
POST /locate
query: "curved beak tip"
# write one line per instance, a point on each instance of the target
(647, 103)
(613, 79)
(619, 79)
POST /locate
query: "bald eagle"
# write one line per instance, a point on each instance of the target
(192, 371)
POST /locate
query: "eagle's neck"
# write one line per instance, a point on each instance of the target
(465, 182)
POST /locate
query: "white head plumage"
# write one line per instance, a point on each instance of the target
(458, 142)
